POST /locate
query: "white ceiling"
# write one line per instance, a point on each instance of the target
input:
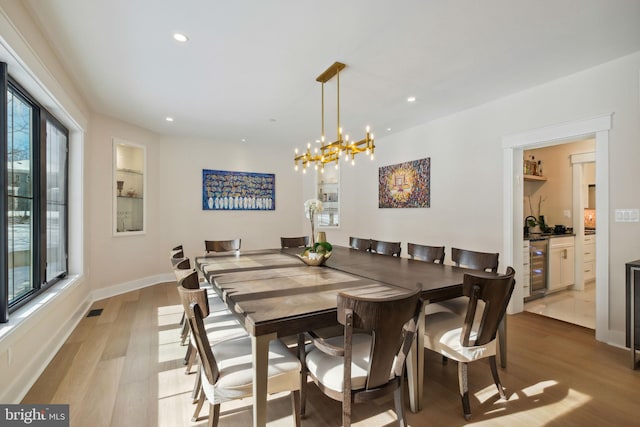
(249, 68)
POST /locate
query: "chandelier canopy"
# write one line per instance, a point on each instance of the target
(342, 147)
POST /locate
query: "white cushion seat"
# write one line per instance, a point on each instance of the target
(329, 369)
(235, 364)
(442, 335)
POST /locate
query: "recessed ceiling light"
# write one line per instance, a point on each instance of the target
(180, 37)
(244, 140)
(388, 129)
(169, 119)
(411, 99)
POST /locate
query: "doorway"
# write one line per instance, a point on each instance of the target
(560, 193)
(513, 148)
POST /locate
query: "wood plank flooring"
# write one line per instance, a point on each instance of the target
(124, 368)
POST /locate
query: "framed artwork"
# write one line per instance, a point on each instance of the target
(247, 191)
(405, 185)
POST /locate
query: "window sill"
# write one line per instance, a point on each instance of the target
(21, 316)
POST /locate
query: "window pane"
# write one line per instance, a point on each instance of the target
(20, 200)
(56, 202)
(20, 244)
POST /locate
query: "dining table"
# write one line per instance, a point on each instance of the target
(275, 295)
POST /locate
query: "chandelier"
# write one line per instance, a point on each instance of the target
(330, 152)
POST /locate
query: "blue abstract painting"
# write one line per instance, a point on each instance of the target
(229, 190)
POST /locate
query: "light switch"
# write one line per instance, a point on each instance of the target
(627, 215)
(567, 213)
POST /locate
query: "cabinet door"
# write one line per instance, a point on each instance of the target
(568, 263)
(554, 275)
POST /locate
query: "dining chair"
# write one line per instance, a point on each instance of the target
(176, 255)
(482, 261)
(227, 366)
(426, 253)
(485, 261)
(360, 244)
(368, 360)
(222, 245)
(473, 336)
(386, 248)
(294, 242)
(219, 325)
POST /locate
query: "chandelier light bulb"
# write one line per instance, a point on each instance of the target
(295, 168)
(353, 162)
(371, 156)
(308, 145)
(296, 150)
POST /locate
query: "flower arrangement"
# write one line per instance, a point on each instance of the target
(311, 208)
(318, 252)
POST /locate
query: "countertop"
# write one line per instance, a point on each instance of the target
(535, 236)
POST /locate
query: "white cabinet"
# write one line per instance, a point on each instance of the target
(589, 259)
(561, 263)
(526, 269)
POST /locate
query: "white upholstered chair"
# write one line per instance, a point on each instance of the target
(368, 361)
(226, 366)
(472, 337)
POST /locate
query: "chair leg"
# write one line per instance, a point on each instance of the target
(190, 357)
(496, 378)
(196, 412)
(398, 398)
(184, 333)
(303, 375)
(464, 389)
(214, 415)
(197, 385)
(295, 407)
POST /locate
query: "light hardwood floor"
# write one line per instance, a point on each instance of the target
(124, 368)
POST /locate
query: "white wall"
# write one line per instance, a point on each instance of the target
(467, 166)
(179, 193)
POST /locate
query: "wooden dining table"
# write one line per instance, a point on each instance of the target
(275, 295)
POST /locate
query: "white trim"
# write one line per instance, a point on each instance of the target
(133, 285)
(513, 146)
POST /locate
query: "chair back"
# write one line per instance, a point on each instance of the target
(426, 253)
(188, 279)
(175, 256)
(495, 292)
(183, 264)
(222, 245)
(484, 261)
(196, 308)
(294, 242)
(386, 248)
(360, 244)
(392, 322)
(183, 269)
